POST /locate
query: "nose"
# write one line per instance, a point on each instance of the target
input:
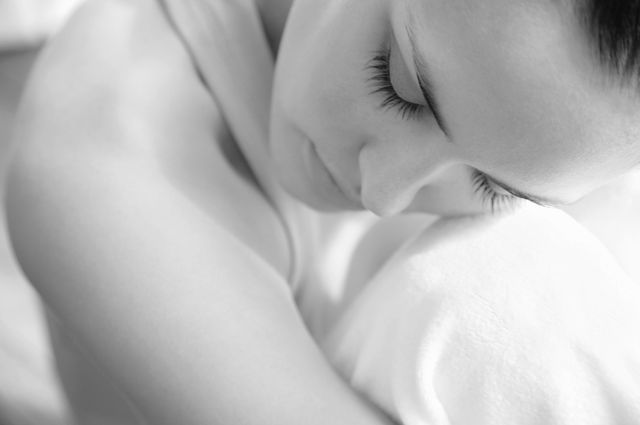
(393, 173)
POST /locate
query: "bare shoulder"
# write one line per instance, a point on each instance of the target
(117, 89)
(110, 38)
(115, 67)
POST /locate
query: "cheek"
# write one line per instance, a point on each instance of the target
(322, 86)
(321, 79)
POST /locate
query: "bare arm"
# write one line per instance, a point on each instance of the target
(188, 321)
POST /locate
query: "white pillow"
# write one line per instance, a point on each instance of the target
(522, 320)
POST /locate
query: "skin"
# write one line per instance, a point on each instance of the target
(556, 134)
(113, 137)
(176, 210)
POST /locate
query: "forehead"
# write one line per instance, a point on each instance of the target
(490, 10)
(509, 25)
(519, 76)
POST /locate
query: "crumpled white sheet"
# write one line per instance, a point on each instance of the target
(521, 320)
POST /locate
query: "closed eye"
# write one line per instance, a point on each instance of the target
(491, 195)
(380, 81)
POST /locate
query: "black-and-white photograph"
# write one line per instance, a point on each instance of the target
(320, 212)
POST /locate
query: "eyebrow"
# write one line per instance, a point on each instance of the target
(544, 202)
(425, 81)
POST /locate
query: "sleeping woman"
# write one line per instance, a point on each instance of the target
(159, 202)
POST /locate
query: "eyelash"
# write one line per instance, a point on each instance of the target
(380, 68)
(483, 188)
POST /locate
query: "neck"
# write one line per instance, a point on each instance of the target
(274, 15)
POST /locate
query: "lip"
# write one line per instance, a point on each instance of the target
(333, 189)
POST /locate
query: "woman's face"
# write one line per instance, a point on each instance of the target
(509, 98)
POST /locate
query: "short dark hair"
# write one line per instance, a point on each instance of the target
(614, 29)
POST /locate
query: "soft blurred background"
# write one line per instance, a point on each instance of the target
(29, 392)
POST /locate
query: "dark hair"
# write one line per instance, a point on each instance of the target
(614, 27)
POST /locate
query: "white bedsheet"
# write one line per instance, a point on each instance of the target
(469, 324)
